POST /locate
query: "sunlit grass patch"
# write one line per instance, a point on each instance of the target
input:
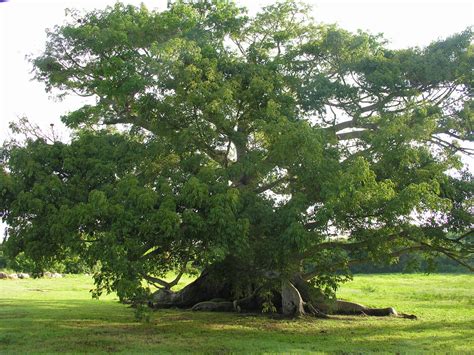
(59, 315)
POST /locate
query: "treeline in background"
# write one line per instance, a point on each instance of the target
(406, 264)
(412, 264)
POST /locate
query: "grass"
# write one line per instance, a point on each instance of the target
(58, 315)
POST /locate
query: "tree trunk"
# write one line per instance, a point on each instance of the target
(212, 291)
(291, 300)
(205, 288)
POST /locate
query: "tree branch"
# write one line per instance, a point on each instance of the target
(350, 135)
(271, 185)
(461, 237)
(156, 281)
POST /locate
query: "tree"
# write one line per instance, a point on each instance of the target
(267, 152)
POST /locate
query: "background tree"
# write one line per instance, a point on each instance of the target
(269, 152)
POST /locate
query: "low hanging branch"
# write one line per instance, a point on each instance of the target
(157, 282)
(160, 283)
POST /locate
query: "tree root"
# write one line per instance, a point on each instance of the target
(310, 309)
(210, 306)
(346, 308)
(294, 299)
(408, 316)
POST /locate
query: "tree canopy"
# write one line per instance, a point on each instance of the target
(262, 146)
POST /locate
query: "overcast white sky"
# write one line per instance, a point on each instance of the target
(405, 23)
(23, 23)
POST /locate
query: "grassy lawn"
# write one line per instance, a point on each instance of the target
(58, 315)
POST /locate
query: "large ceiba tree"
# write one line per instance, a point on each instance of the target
(268, 152)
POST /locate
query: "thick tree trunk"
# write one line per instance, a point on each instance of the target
(205, 288)
(211, 292)
(292, 303)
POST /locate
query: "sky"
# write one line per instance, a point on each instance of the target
(405, 23)
(23, 22)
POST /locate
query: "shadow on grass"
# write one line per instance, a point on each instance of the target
(98, 326)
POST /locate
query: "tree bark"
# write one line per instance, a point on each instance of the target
(211, 292)
(291, 300)
(204, 288)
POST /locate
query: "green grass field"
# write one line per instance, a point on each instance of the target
(58, 315)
